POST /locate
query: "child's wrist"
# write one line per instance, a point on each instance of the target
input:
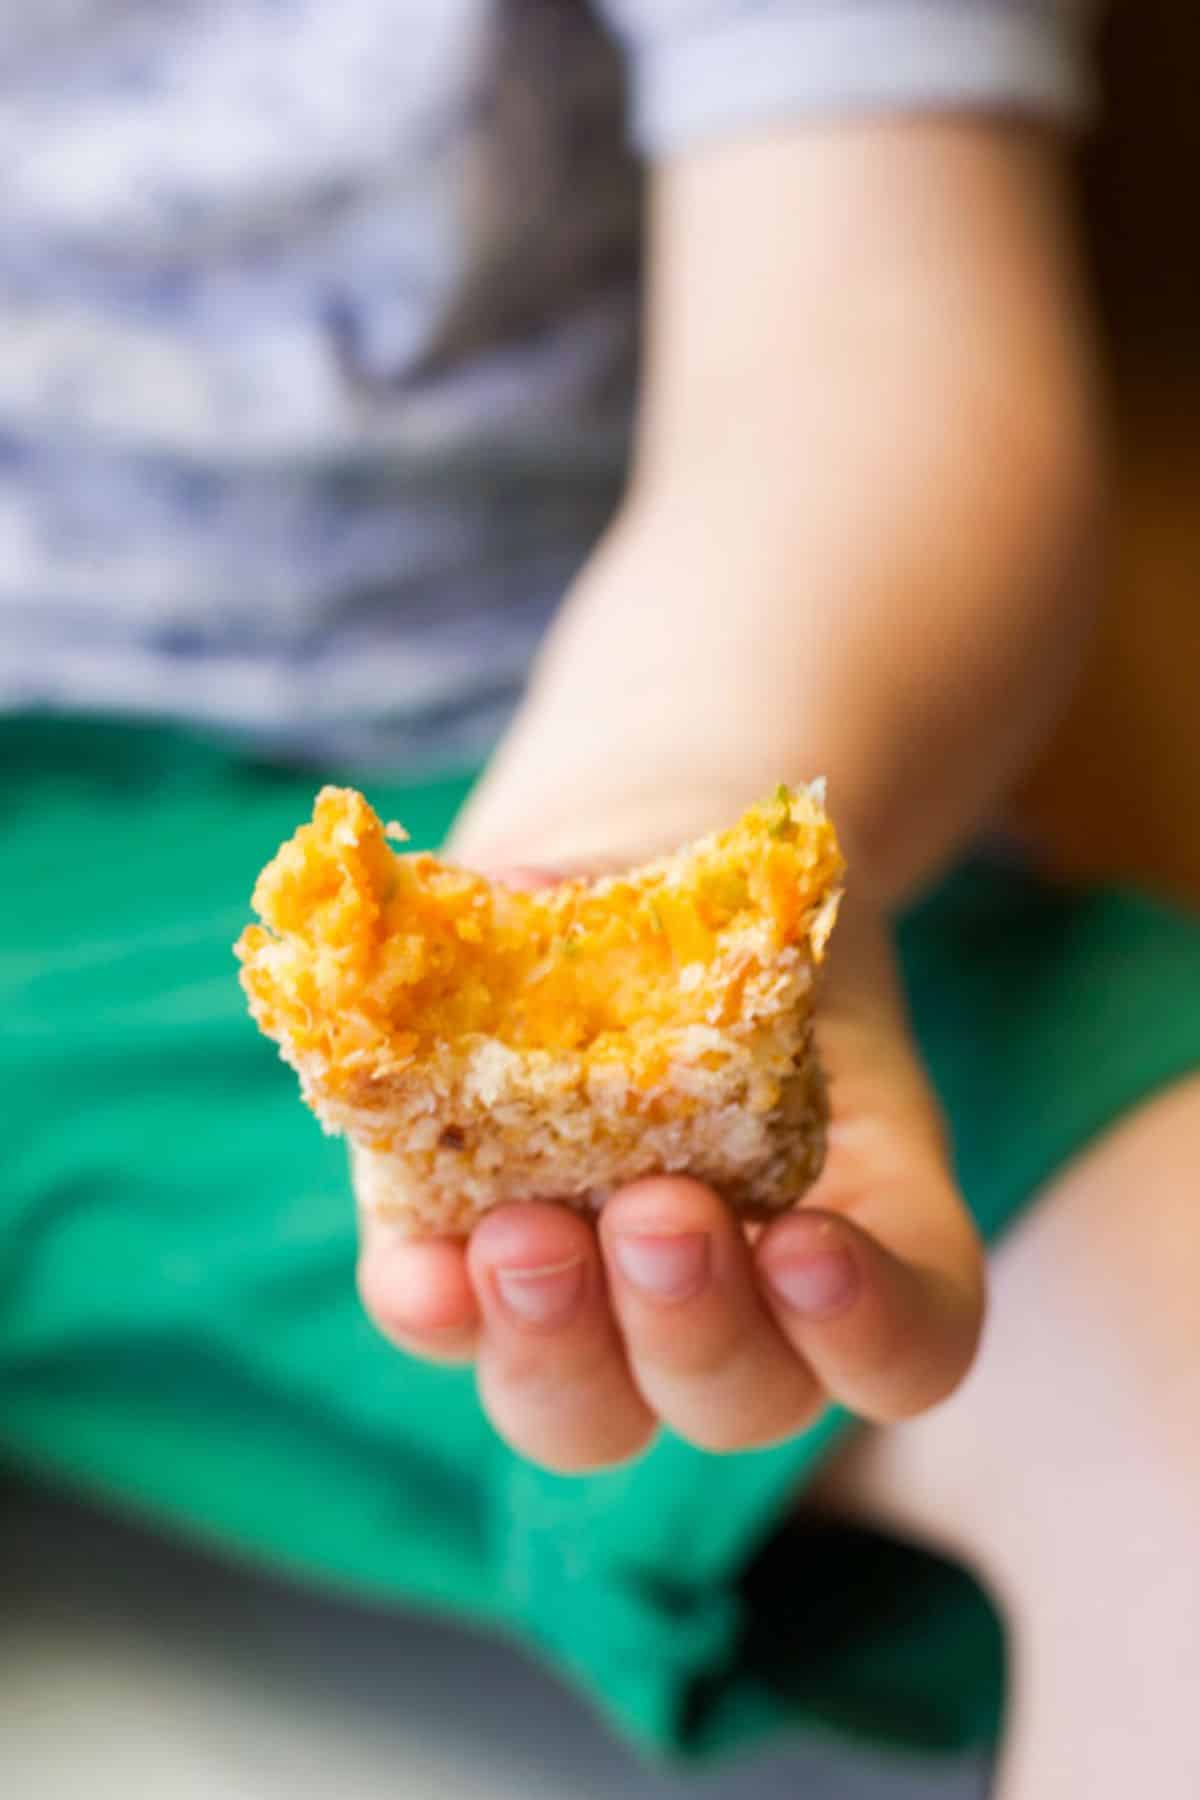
(605, 800)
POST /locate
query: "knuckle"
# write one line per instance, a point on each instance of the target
(700, 1340)
(538, 1367)
(756, 1394)
(704, 1361)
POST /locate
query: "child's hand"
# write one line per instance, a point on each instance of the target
(854, 541)
(667, 1310)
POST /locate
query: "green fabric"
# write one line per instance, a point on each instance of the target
(178, 1328)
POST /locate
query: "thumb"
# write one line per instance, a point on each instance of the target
(898, 1328)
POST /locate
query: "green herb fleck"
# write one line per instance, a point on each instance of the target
(571, 945)
(656, 918)
(783, 825)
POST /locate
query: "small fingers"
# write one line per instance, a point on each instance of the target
(877, 1280)
(417, 1293)
(552, 1371)
(886, 1337)
(705, 1352)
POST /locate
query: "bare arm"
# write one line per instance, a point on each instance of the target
(853, 544)
(857, 532)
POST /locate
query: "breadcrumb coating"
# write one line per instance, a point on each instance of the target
(481, 1044)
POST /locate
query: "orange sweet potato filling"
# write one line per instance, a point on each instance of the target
(364, 950)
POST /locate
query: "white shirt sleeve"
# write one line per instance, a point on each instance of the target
(706, 67)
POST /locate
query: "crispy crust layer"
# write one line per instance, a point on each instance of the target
(693, 977)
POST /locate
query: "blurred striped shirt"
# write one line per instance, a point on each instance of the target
(317, 325)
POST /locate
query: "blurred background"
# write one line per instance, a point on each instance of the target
(1118, 791)
(130, 1665)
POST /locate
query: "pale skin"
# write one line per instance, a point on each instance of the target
(855, 543)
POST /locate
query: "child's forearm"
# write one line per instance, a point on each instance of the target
(857, 537)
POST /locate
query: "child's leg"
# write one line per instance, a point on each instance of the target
(1067, 1469)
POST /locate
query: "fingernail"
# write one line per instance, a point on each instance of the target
(670, 1267)
(546, 1295)
(819, 1286)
